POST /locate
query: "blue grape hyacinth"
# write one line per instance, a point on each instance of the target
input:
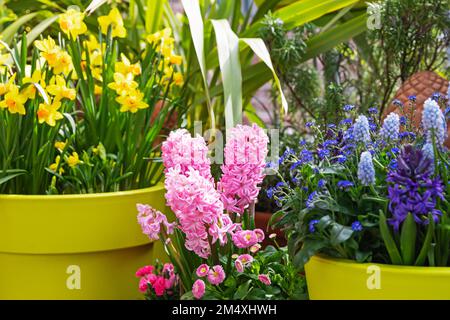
(433, 122)
(428, 151)
(361, 130)
(391, 127)
(366, 171)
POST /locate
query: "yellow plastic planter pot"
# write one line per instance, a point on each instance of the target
(75, 246)
(336, 279)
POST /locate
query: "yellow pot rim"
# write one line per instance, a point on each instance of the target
(385, 267)
(44, 197)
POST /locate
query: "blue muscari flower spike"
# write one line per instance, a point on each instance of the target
(312, 225)
(309, 124)
(357, 226)
(397, 102)
(361, 130)
(433, 122)
(428, 151)
(366, 171)
(391, 127)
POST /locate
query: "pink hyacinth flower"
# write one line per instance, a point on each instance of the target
(244, 166)
(181, 149)
(216, 275)
(150, 221)
(198, 289)
(196, 203)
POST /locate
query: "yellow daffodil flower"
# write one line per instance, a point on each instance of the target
(54, 166)
(71, 23)
(175, 59)
(125, 66)
(49, 113)
(132, 102)
(178, 79)
(123, 84)
(113, 19)
(60, 145)
(14, 101)
(30, 90)
(160, 36)
(63, 63)
(48, 49)
(98, 90)
(5, 87)
(73, 160)
(58, 89)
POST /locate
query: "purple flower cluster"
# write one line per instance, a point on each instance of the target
(412, 189)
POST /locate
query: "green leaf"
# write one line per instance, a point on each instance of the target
(7, 35)
(12, 175)
(230, 66)
(339, 234)
(327, 40)
(309, 248)
(39, 29)
(303, 11)
(389, 241)
(426, 243)
(408, 240)
(260, 49)
(194, 15)
(153, 15)
(242, 291)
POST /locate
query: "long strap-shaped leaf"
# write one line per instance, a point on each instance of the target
(193, 13)
(303, 11)
(259, 48)
(230, 66)
(153, 15)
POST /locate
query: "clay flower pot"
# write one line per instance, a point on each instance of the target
(423, 85)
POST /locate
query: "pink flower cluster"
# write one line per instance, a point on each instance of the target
(150, 221)
(182, 149)
(215, 275)
(247, 238)
(196, 203)
(161, 284)
(245, 154)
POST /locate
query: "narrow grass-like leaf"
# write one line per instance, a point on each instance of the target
(153, 15)
(389, 241)
(408, 240)
(426, 243)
